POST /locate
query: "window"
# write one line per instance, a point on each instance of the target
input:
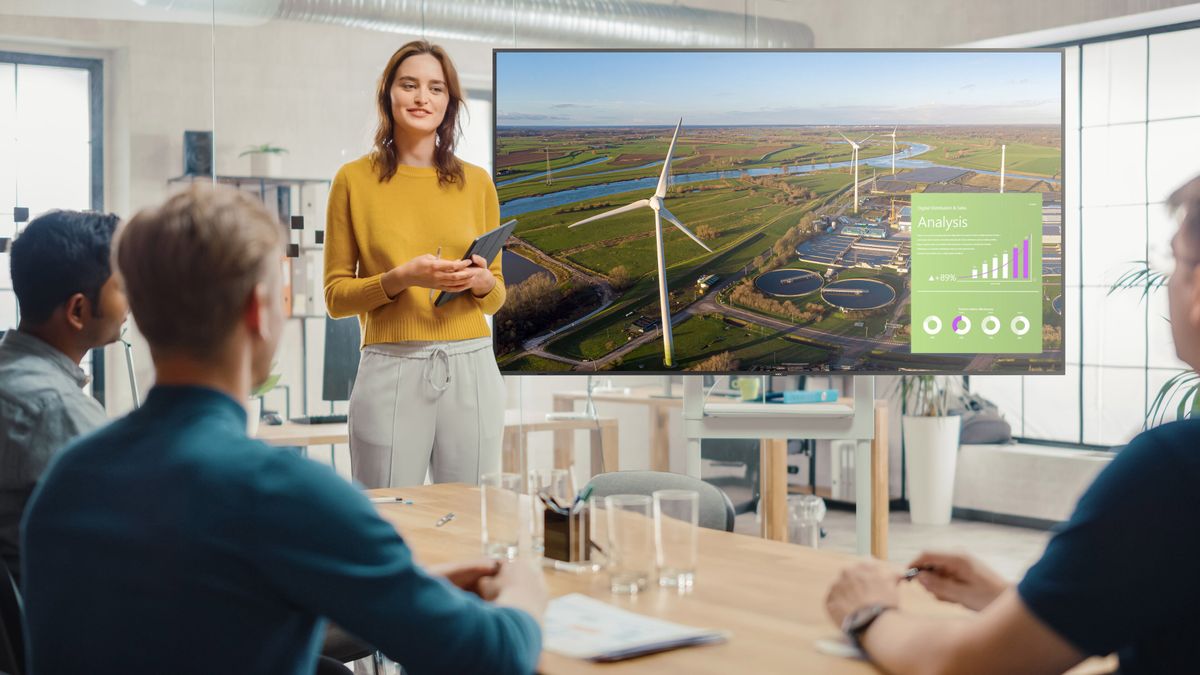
(50, 153)
(1132, 136)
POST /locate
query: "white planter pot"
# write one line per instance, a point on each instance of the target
(931, 447)
(253, 415)
(266, 165)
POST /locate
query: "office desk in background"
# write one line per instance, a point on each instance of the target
(660, 408)
(290, 434)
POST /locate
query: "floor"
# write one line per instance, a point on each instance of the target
(1008, 550)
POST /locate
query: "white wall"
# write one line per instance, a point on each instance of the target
(306, 87)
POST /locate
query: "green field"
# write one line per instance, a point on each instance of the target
(1039, 160)
(536, 364)
(701, 337)
(690, 156)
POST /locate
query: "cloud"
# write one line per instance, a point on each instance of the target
(570, 105)
(531, 117)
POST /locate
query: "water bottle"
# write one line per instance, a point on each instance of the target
(805, 513)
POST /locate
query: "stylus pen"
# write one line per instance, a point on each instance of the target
(914, 571)
(436, 255)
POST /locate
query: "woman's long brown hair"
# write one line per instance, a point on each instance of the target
(384, 157)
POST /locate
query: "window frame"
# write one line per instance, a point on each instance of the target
(95, 71)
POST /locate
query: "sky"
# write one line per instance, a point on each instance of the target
(611, 88)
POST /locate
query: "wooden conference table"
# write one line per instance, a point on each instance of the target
(770, 595)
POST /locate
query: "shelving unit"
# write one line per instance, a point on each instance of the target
(288, 204)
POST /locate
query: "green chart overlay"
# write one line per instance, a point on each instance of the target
(977, 273)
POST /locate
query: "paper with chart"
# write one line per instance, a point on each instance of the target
(977, 273)
(582, 627)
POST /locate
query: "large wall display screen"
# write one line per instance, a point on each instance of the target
(781, 211)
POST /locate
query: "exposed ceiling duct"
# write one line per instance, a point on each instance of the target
(616, 23)
(590, 23)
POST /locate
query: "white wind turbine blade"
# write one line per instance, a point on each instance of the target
(661, 190)
(865, 139)
(620, 209)
(852, 143)
(675, 221)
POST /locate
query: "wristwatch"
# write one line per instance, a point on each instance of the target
(856, 623)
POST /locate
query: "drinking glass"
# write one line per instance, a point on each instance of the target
(676, 535)
(630, 542)
(500, 514)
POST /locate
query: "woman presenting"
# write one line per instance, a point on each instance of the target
(428, 395)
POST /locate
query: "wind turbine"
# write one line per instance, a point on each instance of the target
(655, 203)
(854, 161)
(893, 135)
(1002, 149)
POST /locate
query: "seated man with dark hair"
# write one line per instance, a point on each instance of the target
(170, 542)
(70, 303)
(1118, 577)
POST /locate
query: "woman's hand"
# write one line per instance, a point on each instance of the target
(429, 271)
(482, 279)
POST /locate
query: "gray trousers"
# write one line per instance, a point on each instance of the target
(426, 406)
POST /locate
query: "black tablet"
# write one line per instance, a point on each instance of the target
(487, 246)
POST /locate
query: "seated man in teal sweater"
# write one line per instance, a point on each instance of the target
(169, 542)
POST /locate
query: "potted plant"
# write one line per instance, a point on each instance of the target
(266, 160)
(931, 443)
(254, 407)
(1181, 392)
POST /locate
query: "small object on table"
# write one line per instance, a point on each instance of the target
(390, 500)
(912, 572)
(803, 396)
(444, 519)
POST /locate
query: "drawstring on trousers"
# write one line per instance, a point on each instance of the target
(439, 353)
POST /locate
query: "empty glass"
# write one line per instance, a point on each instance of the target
(676, 533)
(598, 529)
(556, 483)
(630, 542)
(500, 513)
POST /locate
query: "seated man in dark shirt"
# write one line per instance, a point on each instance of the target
(71, 303)
(170, 542)
(1119, 577)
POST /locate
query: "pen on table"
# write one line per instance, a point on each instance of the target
(390, 500)
(444, 519)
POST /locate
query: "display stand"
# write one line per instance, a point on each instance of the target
(855, 417)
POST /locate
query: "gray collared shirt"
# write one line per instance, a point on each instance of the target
(42, 409)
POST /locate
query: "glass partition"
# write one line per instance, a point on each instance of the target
(99, 96)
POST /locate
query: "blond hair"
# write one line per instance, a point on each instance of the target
(190, 264)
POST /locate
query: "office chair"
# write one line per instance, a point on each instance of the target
(716, 511)
(12, 640)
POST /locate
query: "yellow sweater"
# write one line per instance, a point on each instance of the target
(372, 227)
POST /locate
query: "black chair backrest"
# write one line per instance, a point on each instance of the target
(12, 641)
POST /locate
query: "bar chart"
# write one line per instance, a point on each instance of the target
(1004, 267)
(977, 273)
